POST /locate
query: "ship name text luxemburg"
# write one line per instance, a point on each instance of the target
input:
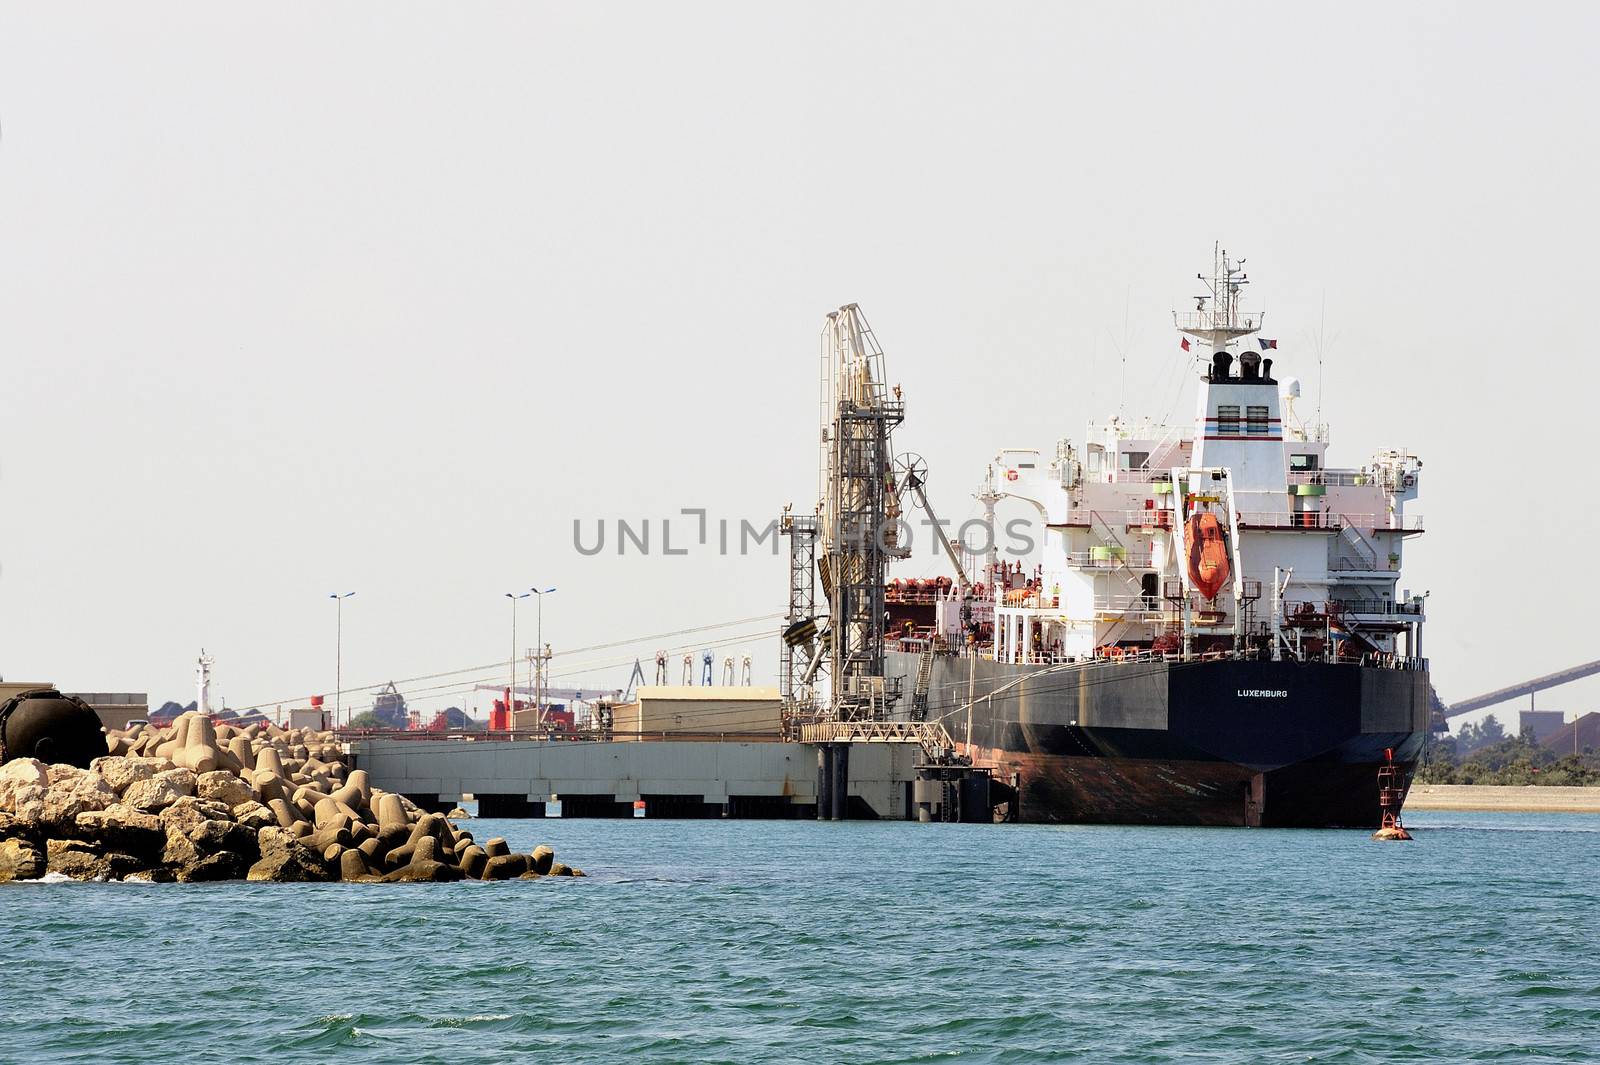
(1263, 693)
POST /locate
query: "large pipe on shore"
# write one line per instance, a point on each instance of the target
(52, 727)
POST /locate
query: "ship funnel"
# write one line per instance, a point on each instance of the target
(1220, 362)
(1266, 370)
(1250, 366)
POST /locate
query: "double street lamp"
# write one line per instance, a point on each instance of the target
(543, 653)
(536, 682)
(338, 651)
(511, 692)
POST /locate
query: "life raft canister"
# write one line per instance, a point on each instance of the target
(1208, 554)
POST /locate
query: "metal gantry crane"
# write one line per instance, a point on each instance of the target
(859, 510)
(848, 543)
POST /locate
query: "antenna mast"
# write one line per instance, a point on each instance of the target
(1219, 325)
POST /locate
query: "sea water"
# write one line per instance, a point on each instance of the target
(747, 941)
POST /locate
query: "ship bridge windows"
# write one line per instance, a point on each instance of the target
(1227, 420)
(1303, 463)
(1256, 420)
(1135, 460)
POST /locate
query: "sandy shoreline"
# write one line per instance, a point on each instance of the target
(1528, 799)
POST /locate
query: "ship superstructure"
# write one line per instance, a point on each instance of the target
(1215, 631)
(1230, 534)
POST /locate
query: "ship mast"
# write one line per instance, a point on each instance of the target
(1220, 324)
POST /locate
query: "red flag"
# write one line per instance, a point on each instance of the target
(1185, 344)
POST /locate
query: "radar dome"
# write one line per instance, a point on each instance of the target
(1290, 386)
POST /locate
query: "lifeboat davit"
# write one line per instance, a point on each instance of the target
(1208, 554)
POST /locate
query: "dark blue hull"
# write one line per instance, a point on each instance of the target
(1197, 743)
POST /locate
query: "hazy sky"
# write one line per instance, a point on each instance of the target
(381, 298)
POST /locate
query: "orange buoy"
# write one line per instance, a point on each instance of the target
(1208, 554)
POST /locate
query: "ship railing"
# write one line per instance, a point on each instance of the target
(1024, 599)
(1320, 519)
(1141, 475)
(1162, 517)
(1134, 655)
(1088, 560)
(1219, 322)
(1129, 604)
(1380, 607)
(1042, 658)
(891, 595)
(931, 736)
(1336, 478)
(1403, 663)
(1345, 564)
(613, 734)
(1315, 609)
(1145, 517)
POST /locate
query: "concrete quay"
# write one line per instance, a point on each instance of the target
(674, 778)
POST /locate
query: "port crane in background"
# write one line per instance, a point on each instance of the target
(1527, 687)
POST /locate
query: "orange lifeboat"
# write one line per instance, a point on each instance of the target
(1208, 554)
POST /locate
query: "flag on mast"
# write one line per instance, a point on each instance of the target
(1184, 343)
(1267, 345)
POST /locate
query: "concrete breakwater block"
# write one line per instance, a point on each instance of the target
(196, 802)
(473, 859)
(353, 866)
(505, 866)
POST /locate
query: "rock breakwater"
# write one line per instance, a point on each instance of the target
(201, 802)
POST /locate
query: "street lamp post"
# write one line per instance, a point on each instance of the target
(511, 692)
(338, 651)
(538, 684)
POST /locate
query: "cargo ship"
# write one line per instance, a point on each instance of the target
(1214, 633)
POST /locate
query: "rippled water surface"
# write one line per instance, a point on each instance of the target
(780, 941)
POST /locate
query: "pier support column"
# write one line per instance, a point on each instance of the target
(841, 780)
(824, 781)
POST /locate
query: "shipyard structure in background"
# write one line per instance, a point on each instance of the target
(1216, 633)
